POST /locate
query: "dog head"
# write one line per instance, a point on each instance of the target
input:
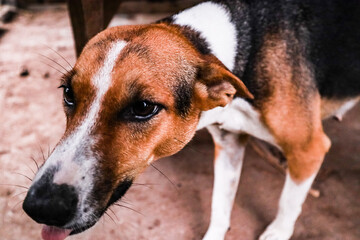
(134, 95)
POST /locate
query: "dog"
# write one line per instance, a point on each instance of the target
(139, 93)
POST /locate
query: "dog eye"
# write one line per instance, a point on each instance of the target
(68, 96)
(143, 110)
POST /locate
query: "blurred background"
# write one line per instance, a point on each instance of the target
(37, 41)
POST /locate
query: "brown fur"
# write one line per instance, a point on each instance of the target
(217, 150)
(292, 113)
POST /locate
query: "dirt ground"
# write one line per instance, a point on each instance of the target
(31, 119)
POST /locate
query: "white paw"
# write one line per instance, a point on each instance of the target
(215, 233)
(274, 233)
(208, 237)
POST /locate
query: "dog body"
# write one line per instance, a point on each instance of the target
(139, 93)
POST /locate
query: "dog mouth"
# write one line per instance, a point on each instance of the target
(58, 233)
(54, 233)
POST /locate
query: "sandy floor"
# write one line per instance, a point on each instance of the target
(31, 119)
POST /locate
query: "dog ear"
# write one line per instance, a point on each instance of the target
(216, 86)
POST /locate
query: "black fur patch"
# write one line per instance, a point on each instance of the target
(166, 20)
(196, 39)
(326, 36)
(239, 14)
(183, 94)
(192, 35)
(120, 191)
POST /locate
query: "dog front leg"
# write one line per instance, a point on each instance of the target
(229, 153)
(292, 197)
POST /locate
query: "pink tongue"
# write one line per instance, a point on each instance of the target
(54, 233)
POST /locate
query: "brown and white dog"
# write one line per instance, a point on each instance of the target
(139, 93)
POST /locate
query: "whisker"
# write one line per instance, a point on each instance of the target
(48, 152)
(30, 169)
(42, 153)
(22, 175)
(148, 184)
(19, 194)
(119, 205)
(142, 184)
(191, 148)
(66, 70)
(37, 165)
(62, 73)
(125, 202)
(172, 183)
(110, 217)
(113, 214)
(13, 185)
(59, 55)
(17, 204)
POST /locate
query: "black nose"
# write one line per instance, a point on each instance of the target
(51, 204)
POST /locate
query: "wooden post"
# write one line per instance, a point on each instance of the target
(88, 17)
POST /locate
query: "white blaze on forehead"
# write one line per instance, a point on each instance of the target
(213, 21)
(102, 79)
(79, 142)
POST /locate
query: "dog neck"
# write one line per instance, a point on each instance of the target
(221, 36)
(227, 37)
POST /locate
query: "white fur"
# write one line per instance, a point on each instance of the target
(292, 197)
(227, 171)
(213, 22)
(237, 117)
(73, 156)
